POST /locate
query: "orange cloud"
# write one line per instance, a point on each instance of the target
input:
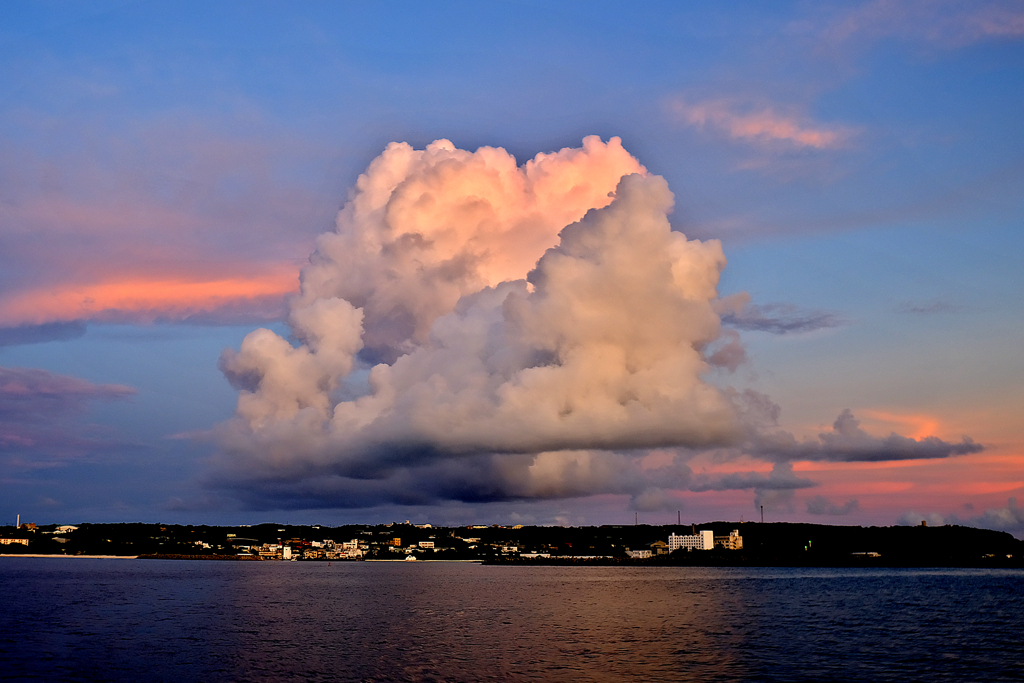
(184, 223)
(827, 466)
(922, 425)
(762, 125)
(141, 298)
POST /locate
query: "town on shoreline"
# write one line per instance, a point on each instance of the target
(709, 544)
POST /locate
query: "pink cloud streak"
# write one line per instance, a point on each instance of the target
(141, 299)
(763, 125)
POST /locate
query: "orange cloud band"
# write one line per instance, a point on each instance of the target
(144, 297)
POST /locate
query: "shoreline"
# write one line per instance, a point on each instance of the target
(73, 557)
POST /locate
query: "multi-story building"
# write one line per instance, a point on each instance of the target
(731, 542)
(702, 540)
(268, 551)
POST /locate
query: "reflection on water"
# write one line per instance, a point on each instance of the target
(86, 620)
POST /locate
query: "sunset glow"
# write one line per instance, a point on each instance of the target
(915, 426)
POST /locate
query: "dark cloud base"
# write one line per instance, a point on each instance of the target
(847, 442)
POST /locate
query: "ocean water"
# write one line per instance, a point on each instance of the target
(163, 620)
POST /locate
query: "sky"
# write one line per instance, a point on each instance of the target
(514, 262)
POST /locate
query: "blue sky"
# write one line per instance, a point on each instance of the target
(862, 164)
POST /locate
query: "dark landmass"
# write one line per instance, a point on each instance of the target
(819, 545)
(772, 544)
(176, 556)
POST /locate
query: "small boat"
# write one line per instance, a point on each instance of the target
(410, 558)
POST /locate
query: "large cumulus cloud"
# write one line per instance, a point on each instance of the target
(475, 330)
(533, 309)
(425, 227)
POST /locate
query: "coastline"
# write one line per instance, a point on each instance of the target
(72, 557)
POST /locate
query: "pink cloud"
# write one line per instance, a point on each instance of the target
(174, 224)
(759, 125)
(922, 426)
(948, 23)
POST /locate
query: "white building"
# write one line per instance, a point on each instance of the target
(702, 540)
(639, 554)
